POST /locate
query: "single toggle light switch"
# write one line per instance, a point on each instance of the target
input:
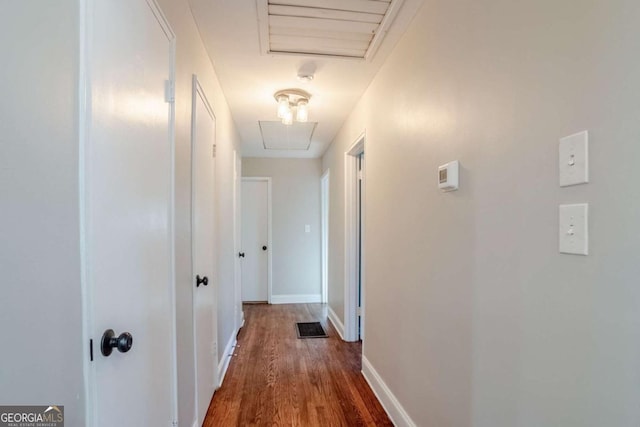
(574, 159)
(573, 231)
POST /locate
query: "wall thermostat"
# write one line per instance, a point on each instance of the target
(448, 176)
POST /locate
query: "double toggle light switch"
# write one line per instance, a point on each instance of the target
(574, 169)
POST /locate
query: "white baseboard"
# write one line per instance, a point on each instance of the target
(226, 358)
(335, 321)
(394, 409)
(295, 299)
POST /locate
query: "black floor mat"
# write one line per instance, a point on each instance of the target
(310, 330)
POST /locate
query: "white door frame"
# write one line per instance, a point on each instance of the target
(198, 91)
(269, 227)
(85, 115)
(351, 236)
(324, 202)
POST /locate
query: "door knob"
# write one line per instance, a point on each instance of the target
(264, 248)
(123, 343)
(201, 280)
(241, 254)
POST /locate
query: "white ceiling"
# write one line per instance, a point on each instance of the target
(249, 78)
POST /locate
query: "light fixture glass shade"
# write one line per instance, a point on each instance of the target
(283, 106)
(302, 113)
(288, 118)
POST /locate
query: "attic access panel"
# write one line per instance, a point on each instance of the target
(332, 28)
(276, 136)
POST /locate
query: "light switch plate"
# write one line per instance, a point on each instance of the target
(574, 229)
(574, 159)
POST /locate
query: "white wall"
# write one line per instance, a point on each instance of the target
(40, 306)
(473, 318)
(191, 58)
(296, 255)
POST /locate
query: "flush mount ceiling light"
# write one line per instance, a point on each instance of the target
(290, 99)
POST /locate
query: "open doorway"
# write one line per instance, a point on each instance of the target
(355, 185)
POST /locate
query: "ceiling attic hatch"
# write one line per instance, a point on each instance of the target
(276, 136)
(330, 28)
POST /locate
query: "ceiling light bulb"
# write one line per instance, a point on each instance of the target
(283, 106)
(302, 113)
(288, 118)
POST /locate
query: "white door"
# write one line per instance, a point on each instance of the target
(324, 202)
(128, 230)
(203, 229)
(255, 238)
(237, 239)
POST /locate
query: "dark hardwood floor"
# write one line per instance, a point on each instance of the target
(276, 379)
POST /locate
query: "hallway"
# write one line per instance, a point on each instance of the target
(493, 233)
(278, 379)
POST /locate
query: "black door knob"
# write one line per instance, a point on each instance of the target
(241, 254)
(201, 280)
(264, 248)
(123, 343)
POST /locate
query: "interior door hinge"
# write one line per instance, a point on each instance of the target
(214, 150)
(169, 91)
(174, 424)
(359, 311)
(359, 175)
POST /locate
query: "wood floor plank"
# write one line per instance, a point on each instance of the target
(276, 379)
